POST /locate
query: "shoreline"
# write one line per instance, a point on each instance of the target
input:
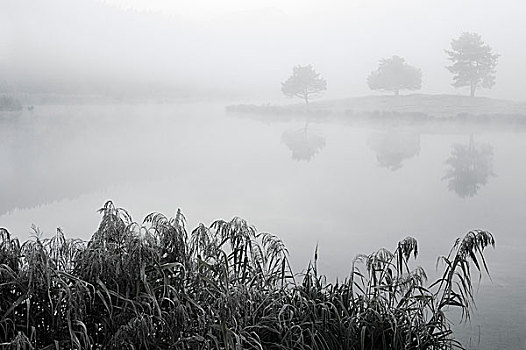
(408, 109)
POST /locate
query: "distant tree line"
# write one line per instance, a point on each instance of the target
(473, 64)
(8, 103)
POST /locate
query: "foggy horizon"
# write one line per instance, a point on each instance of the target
(244, 50)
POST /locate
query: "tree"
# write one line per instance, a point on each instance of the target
(304, 83)
(470, 168)
(393, 147)
(473, 62)
(393, 74)
(303, 144)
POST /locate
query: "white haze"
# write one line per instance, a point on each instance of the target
(244, 49)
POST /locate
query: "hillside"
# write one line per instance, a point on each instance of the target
(439, 106)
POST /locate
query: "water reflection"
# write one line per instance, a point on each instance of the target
(470, 167)
(39, 166)
(61, 153)
(303, 143)
(393, 147)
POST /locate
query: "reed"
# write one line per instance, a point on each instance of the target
(154, 285)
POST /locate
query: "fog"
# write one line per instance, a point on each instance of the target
(159, 105)
(244, 49)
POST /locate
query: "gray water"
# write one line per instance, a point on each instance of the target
(348, 188)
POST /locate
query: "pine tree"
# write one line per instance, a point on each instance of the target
(473, 62)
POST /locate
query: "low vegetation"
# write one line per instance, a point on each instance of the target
(415, 108)
(9, 104)
(155, 286)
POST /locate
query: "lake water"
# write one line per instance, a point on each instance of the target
(348, 188)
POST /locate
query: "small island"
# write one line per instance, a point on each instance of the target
(413, 108)
(473, 65)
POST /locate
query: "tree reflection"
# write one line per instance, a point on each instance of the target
(470, 167)
(393, 147)
(303, 143)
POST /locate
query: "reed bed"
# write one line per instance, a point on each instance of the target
(154, 285)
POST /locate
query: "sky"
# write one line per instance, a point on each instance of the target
(246, 48)
(208, 9)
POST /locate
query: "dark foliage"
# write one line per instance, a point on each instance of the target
(226, 286)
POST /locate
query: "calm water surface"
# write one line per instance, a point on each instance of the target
(348, 188)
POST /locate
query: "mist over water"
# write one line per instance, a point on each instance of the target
(125, 100)
(132, 49)
(348, 189)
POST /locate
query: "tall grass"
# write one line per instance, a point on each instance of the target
(153, 285)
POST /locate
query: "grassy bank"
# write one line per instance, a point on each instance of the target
(409, 108)
(154, 285)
